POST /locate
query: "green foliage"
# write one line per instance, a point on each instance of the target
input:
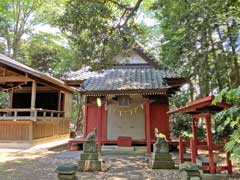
(231, 119)
(16, 20)
(4, 100)
(45, 52)
(180, 124)
(99, 29)
(199, 38)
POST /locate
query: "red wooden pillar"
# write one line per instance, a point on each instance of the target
(85, 110)
(99, 128)
(148, 127)
(104, 123)
(229, 162)
(181, 150)
(210, 144)
(193, 148)
(194, 132)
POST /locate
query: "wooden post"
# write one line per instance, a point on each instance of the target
(30, 132)
(210, 144)
(33, 98)
(59, 102)
(99, 128)
(148, 127)
(85, 118)
(10, 99)
(193, 150)
(229, 162)
(194, 132)
(181, 150)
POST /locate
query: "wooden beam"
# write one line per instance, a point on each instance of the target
(4, 79)
(38, 89)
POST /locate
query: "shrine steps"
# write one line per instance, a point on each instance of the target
(116, 150)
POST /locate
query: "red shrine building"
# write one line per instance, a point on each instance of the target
(126, 102)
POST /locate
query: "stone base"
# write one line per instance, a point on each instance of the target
(90, 165)
(161, 164)
(188, 175)
(161, 161)
(67, 176)
(89, 156)
(161, 156)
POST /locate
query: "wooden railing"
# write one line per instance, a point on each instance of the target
(6, 114)
(194, 147)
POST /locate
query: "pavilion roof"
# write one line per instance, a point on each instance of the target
(32, 73)
(201, 106)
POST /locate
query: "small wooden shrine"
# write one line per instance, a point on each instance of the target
(202, 109)
(38, 108)
(127, 101)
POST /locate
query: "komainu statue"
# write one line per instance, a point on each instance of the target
(159, 136)
(161, 158)
(91, 136)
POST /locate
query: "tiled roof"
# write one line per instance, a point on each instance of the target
(128, 78)
(80, 75)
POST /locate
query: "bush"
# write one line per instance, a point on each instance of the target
(230, 119)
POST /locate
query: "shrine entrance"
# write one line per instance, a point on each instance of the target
(125, 121)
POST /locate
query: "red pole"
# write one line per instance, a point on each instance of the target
(148, 131)
(229, 162)
(181, 150)
(194, 131)
(99, 129)
(85, 121)
(209, 144)
(193, 152)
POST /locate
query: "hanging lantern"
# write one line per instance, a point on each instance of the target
(99, 102)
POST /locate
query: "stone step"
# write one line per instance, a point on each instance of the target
(123, 150)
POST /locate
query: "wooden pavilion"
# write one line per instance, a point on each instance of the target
(38, 109)
(126, 102)
(202, 109)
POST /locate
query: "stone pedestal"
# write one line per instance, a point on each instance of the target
(161, 158)
(89, 158)
(67, 172)
(161, 161)
(90, 165)
(189, 171)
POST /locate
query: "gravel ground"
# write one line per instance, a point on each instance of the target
(41, 166)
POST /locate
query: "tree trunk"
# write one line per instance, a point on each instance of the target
(218, 77)
(78, 124)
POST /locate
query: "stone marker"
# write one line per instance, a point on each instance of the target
(189, 171)
(67, 172)
(89, 158)
(161, 158)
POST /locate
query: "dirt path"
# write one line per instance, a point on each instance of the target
(41, 166)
